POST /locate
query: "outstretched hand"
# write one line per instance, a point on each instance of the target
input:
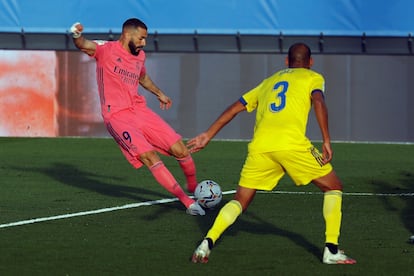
(165, 101)
(198, 143)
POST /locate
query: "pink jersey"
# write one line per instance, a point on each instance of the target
(118, 73)
(135, 127)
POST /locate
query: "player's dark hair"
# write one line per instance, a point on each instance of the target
(299, 55)
(134, 23)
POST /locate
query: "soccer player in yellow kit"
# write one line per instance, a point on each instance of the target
(279, 145)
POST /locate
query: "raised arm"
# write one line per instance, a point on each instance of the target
(321, 112)
(199, 142)
(83, 44)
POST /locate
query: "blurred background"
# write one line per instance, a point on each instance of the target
(205, 55)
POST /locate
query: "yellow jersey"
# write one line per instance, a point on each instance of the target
(282, 103)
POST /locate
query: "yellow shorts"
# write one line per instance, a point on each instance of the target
(262, 171)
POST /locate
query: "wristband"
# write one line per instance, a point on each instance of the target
(75, 32)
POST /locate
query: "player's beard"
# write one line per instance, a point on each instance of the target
(133, 48)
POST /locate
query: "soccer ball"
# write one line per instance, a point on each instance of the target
(208, 194)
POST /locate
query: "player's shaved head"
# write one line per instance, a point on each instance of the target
(133, 23)
(299, 56)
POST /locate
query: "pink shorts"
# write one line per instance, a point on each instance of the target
(139, 130)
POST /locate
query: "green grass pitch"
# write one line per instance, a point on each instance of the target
(280, 234)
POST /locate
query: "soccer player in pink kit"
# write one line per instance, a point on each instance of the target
(139, 132)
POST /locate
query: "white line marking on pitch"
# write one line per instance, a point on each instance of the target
(85, 213)
(319, 193)
(98, 211)
(163, 201)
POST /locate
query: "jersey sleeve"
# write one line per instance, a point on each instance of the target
(317, 84)
(250, 98)
(99, 47)
(143, 71)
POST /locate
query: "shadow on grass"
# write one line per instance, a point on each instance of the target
(70, 175)
(404, 187)
(407, 215)
(259, 227)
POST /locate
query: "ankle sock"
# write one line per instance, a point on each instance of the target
(333, 248)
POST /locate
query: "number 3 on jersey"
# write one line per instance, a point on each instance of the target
(280, 88)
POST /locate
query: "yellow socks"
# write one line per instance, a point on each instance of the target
(226, 217)
(332, 205)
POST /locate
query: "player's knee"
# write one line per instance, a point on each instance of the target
(244, 197)
(336, 187)
(179, 150)
(149, 158)
(328, 182)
